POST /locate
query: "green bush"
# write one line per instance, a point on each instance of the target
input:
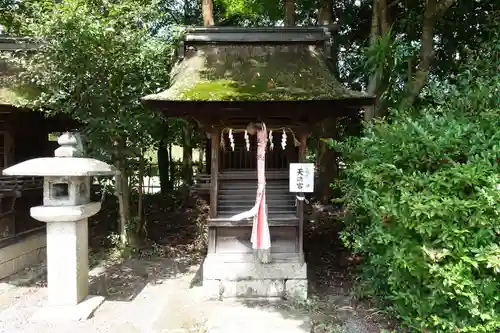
(423, 207)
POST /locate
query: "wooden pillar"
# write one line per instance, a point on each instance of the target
(300, 203)
(214, 171)
(213, 164)
(208, 155)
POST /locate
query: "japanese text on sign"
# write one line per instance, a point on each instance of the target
(302, 177)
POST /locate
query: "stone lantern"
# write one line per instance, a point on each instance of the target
(66, 209)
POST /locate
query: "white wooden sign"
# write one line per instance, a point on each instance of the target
(302, 177)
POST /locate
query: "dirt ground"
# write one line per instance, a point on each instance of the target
(331, 273)
(171, 259)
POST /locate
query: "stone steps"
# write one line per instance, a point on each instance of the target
(277, 202)
(271, 210)
(273, 220)
(253, 190)
(237, 196)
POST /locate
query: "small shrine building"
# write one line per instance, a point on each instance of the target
(24, 134)
(257, 93)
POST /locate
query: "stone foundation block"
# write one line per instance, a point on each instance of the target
(296, 289)
(7, 225)
(25, 252)
(253, 288)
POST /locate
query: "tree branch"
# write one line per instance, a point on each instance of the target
(395, 2)
(441, 7)
(434, 10)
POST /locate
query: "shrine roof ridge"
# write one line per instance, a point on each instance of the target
(258, 35)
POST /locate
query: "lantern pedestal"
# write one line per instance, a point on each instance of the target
(67, 262)
(67, 251)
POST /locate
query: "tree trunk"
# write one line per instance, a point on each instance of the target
(123, 195)
(187, 155)
(289, 12)
(164, 167)
(173, 167)
(325, 157)
(207, 12)
(379, 27)
(325, 12)
(326, 18)
(140, 227)
(370, 112)
(327, 161)
(383, 16)
(434, 10)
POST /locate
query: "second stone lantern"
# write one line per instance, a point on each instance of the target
(66, 209)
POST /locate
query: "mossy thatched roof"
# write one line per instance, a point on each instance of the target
(253, 72)
(11, 91)
(9, 95)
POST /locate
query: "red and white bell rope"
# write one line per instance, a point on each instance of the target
(261, 238)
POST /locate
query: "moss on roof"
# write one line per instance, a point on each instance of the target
(11, 91)
(253, 72)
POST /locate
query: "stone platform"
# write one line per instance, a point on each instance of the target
(239, 276)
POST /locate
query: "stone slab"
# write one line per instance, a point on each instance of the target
(253, 288)
(82, 311)
(214, 269)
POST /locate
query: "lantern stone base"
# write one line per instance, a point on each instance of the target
(63, 313)
(234, 276)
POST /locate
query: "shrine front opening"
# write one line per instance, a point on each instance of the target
(241, 158)
(257, 93)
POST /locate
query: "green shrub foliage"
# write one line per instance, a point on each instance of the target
(423, 205)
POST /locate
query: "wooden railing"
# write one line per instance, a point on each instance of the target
(11, 188)
(20, 183)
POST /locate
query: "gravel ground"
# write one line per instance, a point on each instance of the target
(144, 296)
(139, 291)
